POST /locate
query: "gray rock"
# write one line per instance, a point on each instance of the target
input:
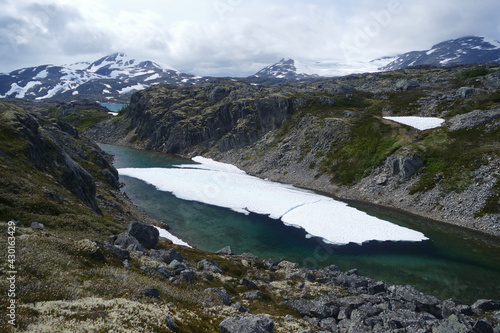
(485, 305)
(226, 251)
(165, 272)
(329, 324)
(221, 293)
(404, 164)
(472, 119)
(248, 283)
(252, 295)
(210, 266)
(188, 275)
(482, 326)
(152, 292)
(466, 92)
(251, 324)
(177, 265)
(127, 242)
(171, 323)
(239, 307)
(405, 84)
(166, 256)
(37, 226)
(147, 235)
(455, 324)
(115, 251)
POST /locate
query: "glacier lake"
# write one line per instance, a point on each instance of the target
(451, 263)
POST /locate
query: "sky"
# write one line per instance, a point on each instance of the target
(233, 37)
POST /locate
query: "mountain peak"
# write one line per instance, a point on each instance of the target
(464, 50)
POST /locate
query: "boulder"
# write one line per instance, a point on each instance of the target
(252, 295)
(226, 251)
(221, 294)
(152, 292)
(210, 266)
(249, 284)
(37, 226)
(404, 164)
(147, 235)
(127, 242)
(171, 323)
(251, 324)
(166, 256)
(485, 305)
(115, 251)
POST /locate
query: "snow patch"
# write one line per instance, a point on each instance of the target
(225, 185)
(421, 123)
(177, 241)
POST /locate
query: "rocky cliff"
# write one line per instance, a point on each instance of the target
(330, 135)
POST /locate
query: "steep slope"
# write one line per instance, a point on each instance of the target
(466, 50)
(330, 135)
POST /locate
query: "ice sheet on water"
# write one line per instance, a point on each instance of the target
(225, 185)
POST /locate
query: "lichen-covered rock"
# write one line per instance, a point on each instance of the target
(210, 266)
(250, 324)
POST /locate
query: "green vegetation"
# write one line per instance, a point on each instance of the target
(452, 156)
(371, 141)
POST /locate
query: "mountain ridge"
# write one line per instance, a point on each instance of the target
(464, 50)
(107, 78)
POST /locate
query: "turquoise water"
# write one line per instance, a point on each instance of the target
(113, 107)
(453, 263)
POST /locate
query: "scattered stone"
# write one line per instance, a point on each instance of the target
(152, 292)
(253, 295)
(166, 256)
(248, 283)
(221, 293)
(210, 266)
(147, 235)
(115, 251)
(249, 255)
(128, 242)
(251, 324)
(239, 307)
(165, 272)
(54, 196)
(17, 223)
(484, 305)
(482, 326)
(226, 251)
(177, 265)
(170, 323)
(37, 226)
(188, 275)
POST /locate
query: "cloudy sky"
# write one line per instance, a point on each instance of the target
(232, 37)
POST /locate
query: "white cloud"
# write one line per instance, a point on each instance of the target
(232, 37)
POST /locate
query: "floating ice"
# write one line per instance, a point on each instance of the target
(225, 185)
(421, 123)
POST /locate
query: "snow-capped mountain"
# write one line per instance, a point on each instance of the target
(466, 50)
(301, 69)
(109, 77)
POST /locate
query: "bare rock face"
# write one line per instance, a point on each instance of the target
(404, 164)
(252, 324)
